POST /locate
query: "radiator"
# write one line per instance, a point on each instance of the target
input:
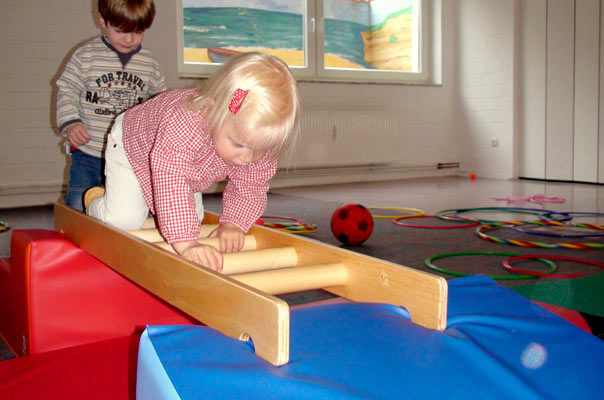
(346, 138)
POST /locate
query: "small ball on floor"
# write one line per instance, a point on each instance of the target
(352, 224)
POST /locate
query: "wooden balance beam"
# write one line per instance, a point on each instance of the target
(239, 302)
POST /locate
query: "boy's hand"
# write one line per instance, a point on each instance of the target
(205, 255)
(77, 134)
(231, 238)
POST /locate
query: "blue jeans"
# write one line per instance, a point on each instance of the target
(85, 172)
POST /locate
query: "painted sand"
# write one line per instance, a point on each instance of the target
(291, 57)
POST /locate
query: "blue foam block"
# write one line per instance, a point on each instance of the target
(497, 345)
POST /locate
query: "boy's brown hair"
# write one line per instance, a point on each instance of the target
(128, 15)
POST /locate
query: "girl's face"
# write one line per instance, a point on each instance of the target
(124, 42)
(231, 148)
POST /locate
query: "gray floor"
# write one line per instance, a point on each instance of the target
(428, 194)
(435, 194)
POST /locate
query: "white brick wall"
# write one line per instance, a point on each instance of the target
(36, 38)
(485, 72)
(32, 50)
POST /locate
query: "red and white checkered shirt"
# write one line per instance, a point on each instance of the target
(172, 154)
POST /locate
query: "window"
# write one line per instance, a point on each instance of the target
(321, 40)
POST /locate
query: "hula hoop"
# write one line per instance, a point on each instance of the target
(537, 198)
(506, 265)
(581, 214)
(428, 262)
(526, 229)
(396, 221)
(296, 227)
(515, 210)
(480, 231)
(417, 212)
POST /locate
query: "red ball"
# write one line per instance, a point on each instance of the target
(352, 224)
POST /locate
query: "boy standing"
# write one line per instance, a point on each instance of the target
(104, 77)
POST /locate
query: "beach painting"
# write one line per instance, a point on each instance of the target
(360, 34)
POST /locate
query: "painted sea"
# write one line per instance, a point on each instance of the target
(244, 27)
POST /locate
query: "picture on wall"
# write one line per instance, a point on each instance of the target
(216, 30)
(358, 34)
(369, 34)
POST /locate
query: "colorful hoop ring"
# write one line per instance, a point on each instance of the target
(296, 227)
(581, 214)
(480, 231)
(515, 210)
(397, 222)
(417, 212)
(526, 229)
(428, 262)
(506, 265)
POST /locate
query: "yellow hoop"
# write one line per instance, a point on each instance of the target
(417, 212)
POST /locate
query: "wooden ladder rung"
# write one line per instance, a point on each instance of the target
(249, 244)
(248, 259)
(254, 260)
(298, 279)
(149, 224)
(259, 260)
(153, 235)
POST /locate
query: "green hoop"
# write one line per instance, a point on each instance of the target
(428, 262)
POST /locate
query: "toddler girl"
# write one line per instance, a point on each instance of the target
(163, 153)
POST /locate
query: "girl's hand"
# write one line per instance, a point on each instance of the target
(202, 254)
(231, 238)
(77, 134)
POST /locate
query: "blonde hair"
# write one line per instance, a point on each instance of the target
(269, 113)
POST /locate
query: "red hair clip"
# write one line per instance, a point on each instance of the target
(238, 97)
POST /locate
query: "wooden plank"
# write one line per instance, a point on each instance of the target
(370, 279)
(249, 259)
(149, 224)
(587, 90)
(152, 234)
(533, 70)
(248, 244)
(560, 89)
(601, 105)
(218, 301)
(298, 279)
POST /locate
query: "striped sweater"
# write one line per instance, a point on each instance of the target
(98, 83)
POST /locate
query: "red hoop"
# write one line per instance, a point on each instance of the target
(506, 265)
(397, 222)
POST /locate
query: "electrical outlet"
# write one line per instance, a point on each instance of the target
(494, 142)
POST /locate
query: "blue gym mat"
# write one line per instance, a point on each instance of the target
(497, 345)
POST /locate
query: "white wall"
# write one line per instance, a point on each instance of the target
(485, 75)
(448, 123)
(36, 39)
(562, 108)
